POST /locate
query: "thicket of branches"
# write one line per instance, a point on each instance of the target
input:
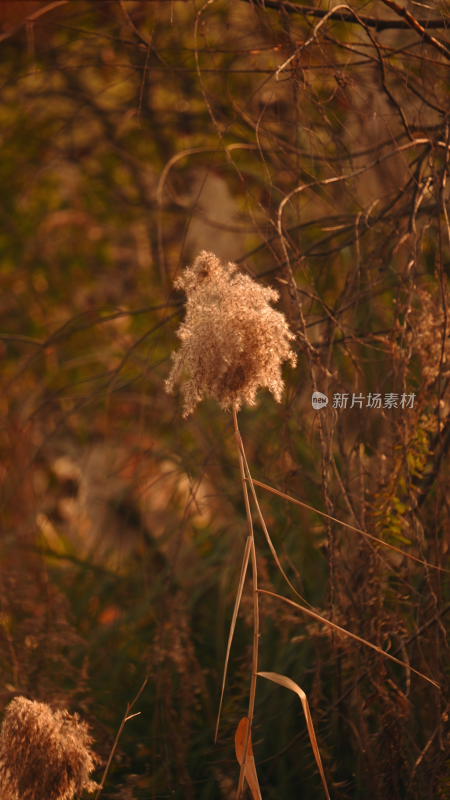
(311, 147)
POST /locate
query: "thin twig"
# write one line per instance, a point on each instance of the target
(127, 716)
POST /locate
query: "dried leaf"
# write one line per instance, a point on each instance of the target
(288, 684)
(250, 769)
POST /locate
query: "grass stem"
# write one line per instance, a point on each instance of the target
(251, 704)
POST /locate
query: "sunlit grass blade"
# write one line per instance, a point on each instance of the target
(347, 525)
(240, 742)
(233, 624)
(288, 684)
(353, 636)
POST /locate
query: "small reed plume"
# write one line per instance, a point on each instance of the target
(44, 754)
(427, 337)
(233, 341)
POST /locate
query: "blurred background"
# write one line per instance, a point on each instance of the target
(311, 148)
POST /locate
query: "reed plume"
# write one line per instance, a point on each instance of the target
(44, 754)
(233, 341)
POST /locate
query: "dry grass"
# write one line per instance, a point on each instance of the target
(311, 150)
(219, 333)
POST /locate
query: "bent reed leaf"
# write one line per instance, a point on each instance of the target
(335, 627)
(289, 684)
(240, 740)
(347, 525)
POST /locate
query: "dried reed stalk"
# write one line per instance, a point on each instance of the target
(233, 343)
(251, 704)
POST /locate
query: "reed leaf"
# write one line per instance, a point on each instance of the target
(288, 684)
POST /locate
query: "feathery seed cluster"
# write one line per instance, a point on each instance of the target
(44, 754)
(233, 341)
(429, 329)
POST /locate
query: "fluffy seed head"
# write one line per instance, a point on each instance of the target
(44, 754)
(233, 341)
(429, 329)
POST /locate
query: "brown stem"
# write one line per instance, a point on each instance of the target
(251, 704)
